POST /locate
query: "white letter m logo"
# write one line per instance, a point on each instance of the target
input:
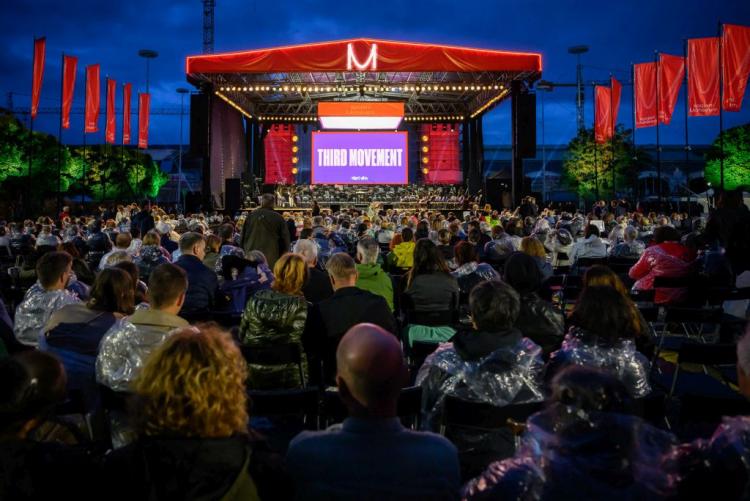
(352, 62)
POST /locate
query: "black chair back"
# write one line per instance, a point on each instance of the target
(283, 354)
(281, 403)
(408, 409)
(458, 412)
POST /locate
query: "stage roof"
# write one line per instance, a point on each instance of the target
(435, 82)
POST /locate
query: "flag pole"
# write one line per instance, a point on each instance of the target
(612, 139)
(721, 105)
(687, 113)
(632, 138)
(85, 105)
(596, 151)
(31, 134)
(658, 143)
(59, 136)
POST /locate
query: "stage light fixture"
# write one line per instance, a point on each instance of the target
(295, 170)
(425, 171)
(295, 149)
(295, 160)
(425, 160)
(425, 149)
(295, 138)
(425, 138)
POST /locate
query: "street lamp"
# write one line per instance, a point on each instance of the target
(147, 54)
(577, 50)
(545, 87)
(181, 91)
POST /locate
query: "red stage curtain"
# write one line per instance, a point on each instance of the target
(703, 77)
(143, 104)
(126, 91)
(444, 156)
(69, 82)
(40, 45)
(92, 98)
(736, 63)
(671, 74)
(278, 151)
(645, 94)
(109, 130)
(602, 114)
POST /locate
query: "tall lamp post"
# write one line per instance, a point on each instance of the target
(148, 55)
(181, 91)
(544, 87)
(577, 50)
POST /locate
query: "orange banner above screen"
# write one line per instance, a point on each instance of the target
(360, 109)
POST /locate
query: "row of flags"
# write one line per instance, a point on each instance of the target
(93, 98)
(717, 73)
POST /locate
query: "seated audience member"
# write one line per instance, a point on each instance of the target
(602, 335)
(318, 285)
(191, 415)
(242, 278)
(444, 238)
(126, 346)
(118, 256)
(371, 276)
(559, 242)
(122, 244)
(493, 363)
(276, 316)
(591, 246)
(371, 455)
(666, 258)
(470, 271)
(75, 331)
(203, 285)
(585, 445)
(151, 255)
(80, 268)
(534, 248)
(331, 318)
(630, 247)
(45, 297)
(599, 275)
(402, 255)
(140, 289)
(31, 466)
(135, 242)
(212, 251)
(500, 247)
(537, 319)
(165, 239)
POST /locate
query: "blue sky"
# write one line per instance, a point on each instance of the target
(110, 33)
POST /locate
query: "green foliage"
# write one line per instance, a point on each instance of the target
(102, 172)
(587, 168)
(736, 159)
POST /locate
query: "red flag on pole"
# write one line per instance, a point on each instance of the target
(36, 83)
(671, 74)
(92, 99)
(616, 95)
(70, 64)
(109, 130)
(126, 90)
(735, 47)
(703, 77)
(645, 94)
(602, 116)
(143, 103)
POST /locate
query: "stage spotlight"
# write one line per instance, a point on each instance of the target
(295, 138)
(295, 170)
(425, 171)
(425, 160)
(295, 160)
(425, 149)
(425, 138)
(295, 149)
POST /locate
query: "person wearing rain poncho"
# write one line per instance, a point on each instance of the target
(585, 445)
(493, 364)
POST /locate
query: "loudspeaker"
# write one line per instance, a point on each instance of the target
(199, 125)
(232, 195)
(494, 189)
(524, 123)
(335, 208)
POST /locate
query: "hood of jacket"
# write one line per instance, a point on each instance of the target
(368, 271)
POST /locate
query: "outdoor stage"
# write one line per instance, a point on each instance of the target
(358, 112)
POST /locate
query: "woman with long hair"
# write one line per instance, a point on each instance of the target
(191, 414)
(277, 316)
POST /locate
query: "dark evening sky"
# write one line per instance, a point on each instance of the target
(110, 33)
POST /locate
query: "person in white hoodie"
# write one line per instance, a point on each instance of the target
(591, 246)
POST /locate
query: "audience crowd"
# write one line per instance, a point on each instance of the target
(148, 355)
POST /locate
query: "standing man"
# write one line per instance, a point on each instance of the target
(265, 230)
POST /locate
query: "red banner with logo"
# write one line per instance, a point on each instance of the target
(92, 98)
(70, 64)
(127, 89)
(602, 114)
(40, 45)
(645, 94)
(703, 77)
(616, 87)
(671, 74)
(143, 104)
(735, 47)
(109, 130)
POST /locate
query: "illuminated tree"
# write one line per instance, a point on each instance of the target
(736, 159)
(587, 168)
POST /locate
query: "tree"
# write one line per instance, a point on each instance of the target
(736, 159)
(587, 168)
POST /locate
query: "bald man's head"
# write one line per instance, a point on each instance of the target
(371, 371)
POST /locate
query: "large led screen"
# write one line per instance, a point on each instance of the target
(359, 158)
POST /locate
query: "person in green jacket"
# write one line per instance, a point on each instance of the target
(372, 278)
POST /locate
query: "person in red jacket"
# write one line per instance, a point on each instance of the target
(666, 258)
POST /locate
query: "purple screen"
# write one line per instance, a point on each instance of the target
(359, 158)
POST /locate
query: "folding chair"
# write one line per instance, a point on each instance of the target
(283, 354)
(408, 409)
(705, 355)
(302, 403)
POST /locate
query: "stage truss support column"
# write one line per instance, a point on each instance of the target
(517, 158)
(206, 199)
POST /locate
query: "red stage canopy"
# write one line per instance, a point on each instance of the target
(365, 54)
